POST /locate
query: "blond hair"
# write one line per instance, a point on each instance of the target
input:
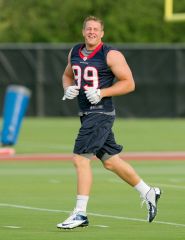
(93, 18)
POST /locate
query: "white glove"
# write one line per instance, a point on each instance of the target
(71, 92)
(93, 95)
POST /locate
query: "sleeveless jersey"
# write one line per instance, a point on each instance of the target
(92, 72)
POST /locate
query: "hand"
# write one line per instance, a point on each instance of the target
(93, 95)
(71, 92)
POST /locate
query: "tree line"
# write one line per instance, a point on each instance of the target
(56, 21)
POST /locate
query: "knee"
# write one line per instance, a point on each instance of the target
(76, 161)
(79, 161)
(108, 165)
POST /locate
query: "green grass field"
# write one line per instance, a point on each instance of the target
(56, 135)
(35, 196)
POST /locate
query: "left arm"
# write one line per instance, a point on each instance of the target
(125, 82)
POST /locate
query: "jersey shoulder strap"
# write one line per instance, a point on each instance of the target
(75, 50)
(107, 48)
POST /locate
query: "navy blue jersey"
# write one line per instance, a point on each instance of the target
(92, 72)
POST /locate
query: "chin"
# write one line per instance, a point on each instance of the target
(91, 43)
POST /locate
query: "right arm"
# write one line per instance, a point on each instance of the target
(68, 77)
(70, 89)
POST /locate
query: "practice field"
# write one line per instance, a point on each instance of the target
(36, 195)
(56, 135)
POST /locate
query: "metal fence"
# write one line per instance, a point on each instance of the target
(159, 72)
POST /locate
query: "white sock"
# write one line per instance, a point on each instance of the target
(142, 188)
(81, 202)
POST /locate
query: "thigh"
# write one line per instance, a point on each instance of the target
(93, 133)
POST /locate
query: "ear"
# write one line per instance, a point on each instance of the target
(102, 34)
(83, 32)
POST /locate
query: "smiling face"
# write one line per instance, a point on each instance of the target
(92, 33)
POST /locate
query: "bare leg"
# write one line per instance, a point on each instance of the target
(84, 174)
(122, 169)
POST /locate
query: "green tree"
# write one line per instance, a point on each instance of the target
(140, 21)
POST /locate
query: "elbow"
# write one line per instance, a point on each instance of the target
(132, 86)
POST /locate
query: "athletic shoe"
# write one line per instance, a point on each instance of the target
(151, 200)
(76, 219)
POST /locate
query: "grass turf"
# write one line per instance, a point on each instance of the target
(57, 134)
(114, 208)
(48, 188)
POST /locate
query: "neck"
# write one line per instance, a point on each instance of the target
(91, 47)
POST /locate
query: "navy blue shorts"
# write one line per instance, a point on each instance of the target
(96, 137)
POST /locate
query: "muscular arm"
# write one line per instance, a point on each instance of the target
(125, 82)
(67, 78)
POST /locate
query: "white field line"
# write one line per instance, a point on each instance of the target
(92, 214)
(101, 226)
(154, 184)
(169, 186)
(13, 227)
